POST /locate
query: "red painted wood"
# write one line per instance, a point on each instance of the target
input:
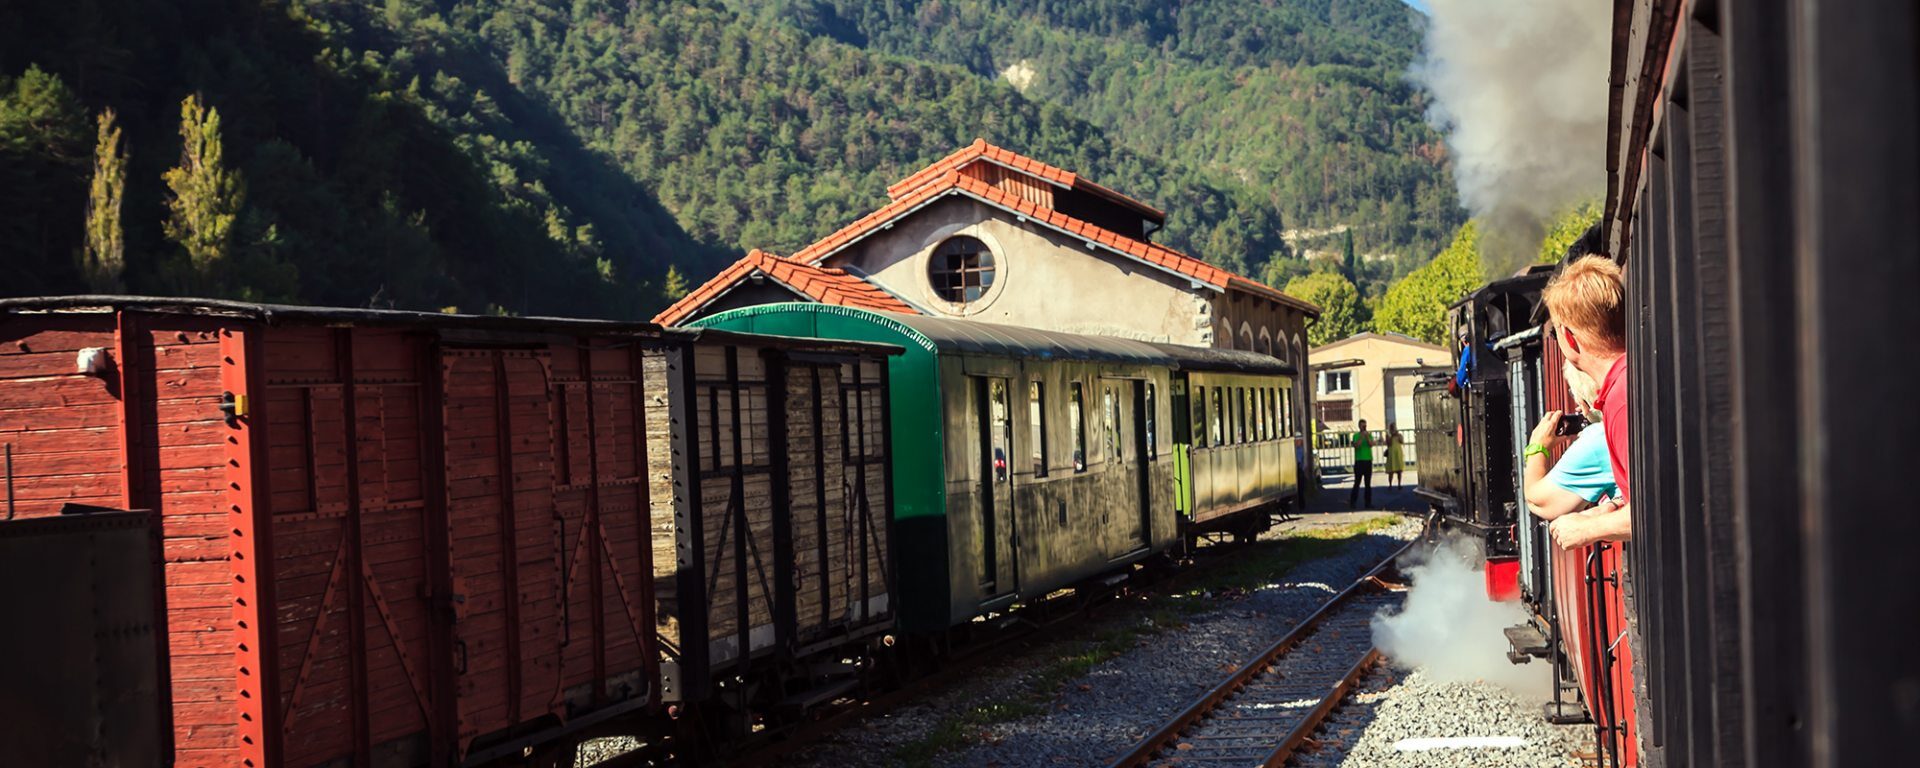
(256, 741)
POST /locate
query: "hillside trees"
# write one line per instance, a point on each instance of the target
(1342, 313)
(43, 149)
(1417, 305)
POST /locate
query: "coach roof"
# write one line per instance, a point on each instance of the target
(273, 314)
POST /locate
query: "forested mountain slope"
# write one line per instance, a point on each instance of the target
(536, 157)
(1304, 102)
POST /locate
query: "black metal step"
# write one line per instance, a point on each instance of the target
(818, 694)
(1565, 713)
(1526, 640)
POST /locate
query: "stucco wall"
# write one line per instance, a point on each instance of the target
(1041, 280)
(1368, 392)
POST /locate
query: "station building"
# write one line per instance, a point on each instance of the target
(989, 234)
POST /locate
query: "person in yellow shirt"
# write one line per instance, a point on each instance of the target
(1396, 459)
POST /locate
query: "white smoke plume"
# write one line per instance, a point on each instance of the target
(1449, 628)
(1520, 91)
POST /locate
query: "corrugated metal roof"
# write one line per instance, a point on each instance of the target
(946, 335)
(1212, 359)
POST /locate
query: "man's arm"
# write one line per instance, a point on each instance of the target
(1608, 522)
(1544, 499)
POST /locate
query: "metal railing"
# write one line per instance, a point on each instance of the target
(1333, 451)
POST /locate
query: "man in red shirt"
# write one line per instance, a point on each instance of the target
(1586, 308)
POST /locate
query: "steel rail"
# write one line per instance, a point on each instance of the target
(1337, 694)
(967, 661)
(1369, 582)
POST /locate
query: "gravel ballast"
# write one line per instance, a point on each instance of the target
(1467, 724)
(993, 720)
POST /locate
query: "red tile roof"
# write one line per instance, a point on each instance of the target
(802, 271)
(1141, 250)
(826, 285)
(981, 150)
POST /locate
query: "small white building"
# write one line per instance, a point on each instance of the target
(1371, 376)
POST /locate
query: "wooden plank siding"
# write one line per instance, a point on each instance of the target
(338, 550)
(773, 539)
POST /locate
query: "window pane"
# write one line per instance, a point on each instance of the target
(1111, 411)
(1001, 436)
(1218, 425)
(1037, 420)
(1199, 424)
(1152, 439)
(1077, 422)
(961, 269)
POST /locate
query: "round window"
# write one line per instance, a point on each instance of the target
(961, 270)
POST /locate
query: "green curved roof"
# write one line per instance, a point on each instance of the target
(944, 335)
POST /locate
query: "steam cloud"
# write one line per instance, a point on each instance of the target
(1449, 627)
(1520, 90)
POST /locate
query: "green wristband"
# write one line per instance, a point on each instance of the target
(1533, 448)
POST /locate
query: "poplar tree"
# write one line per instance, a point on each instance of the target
(103, 255)
(205, 194)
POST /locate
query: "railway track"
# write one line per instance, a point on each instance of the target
(1266, 709)
(1030, 630)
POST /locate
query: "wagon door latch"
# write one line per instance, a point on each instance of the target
(233, 406)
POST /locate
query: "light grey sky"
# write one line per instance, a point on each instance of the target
(1420, 4)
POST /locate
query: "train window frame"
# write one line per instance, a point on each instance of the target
(1242, 402)
(1273, 414)
(1259, 414)
(1150, 422)
(1000, 429)
(1037, 431)
(1077, 421)
(1109, 425)
(1216, 423)
(1197, 427)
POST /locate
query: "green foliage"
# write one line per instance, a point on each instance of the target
(206, 194)
(1303, 106)
(1417, 305)
(1342, 314)
(1349, 266)
(43, 140)
(674, 285)
(546, 158)
(103, 255)
(1568, 228)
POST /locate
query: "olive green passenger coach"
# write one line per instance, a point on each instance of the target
(1024, 460)
(1237, 446)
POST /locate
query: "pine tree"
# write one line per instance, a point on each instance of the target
(1347, 263)
(674, 287)
(206, 195)
(103, 257)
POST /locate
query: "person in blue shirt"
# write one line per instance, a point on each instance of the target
(1584, 473)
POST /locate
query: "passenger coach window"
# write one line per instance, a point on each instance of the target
(1002, 435)
(1037, 422)
(1110, 426)
(1218, 424)
(1076, 421)
(1198, 426)
(1152, 439)
(1266, 406)
(1240, 403)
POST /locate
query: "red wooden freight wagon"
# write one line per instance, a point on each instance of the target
(389, 538)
